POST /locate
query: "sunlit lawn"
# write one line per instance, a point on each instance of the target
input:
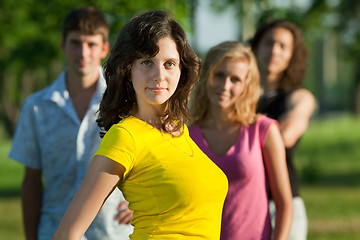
(329, 163)
(329, 166)
(10, 180)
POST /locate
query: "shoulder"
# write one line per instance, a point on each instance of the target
(193, 127)
(272, 138)
(301, 95)
(46, 93)
(265, 125)
(194, 131)
(35, 99)
(130, 127)
(301, 101)
(123, 127)
(263, 122)
(117, 136)
(134, 125)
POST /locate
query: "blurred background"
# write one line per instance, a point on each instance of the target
(328, 158)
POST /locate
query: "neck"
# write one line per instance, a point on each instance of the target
(269, 81)
(81, 90)
(219, 118)
(81, 83)
(152, 116)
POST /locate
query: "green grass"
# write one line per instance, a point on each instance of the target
(328, 161)
(10, 181)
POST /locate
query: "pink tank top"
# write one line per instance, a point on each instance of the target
(245, 213)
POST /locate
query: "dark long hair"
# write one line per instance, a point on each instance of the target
(294, 75)
(139, 38)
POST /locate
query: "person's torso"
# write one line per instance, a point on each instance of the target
(62, 146)
(176, 192)
(245, 214)
(274, 105)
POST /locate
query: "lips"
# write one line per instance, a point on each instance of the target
(272, 60)
(81, 63)
(221, 95)
(157, 89)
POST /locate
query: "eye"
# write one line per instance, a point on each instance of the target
(235, 79)
(269, 43)
(284, 46)
(219, 74)
(75, 43)
(146, 63)
(170, 64)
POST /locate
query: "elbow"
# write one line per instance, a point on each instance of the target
(289, 141)
(59, 235)
(285, 204)
(62, 234)
(291, 137)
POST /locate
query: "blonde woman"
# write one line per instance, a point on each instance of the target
(246, 146)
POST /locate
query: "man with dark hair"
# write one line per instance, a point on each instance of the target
(57, 135)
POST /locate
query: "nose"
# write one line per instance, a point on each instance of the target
(83, 49)
(275, 49)
(225, 83)
(228, 83)
(158, 73)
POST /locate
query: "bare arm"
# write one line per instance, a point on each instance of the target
(275, 164)
(101, 178)
(301, 105)
(31, 197)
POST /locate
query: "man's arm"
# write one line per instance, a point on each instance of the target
(31, 197)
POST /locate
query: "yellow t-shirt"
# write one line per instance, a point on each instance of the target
(174, 189)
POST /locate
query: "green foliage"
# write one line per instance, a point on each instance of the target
(30, 33)
(341, 17)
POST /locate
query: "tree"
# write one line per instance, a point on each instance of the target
(30, 33)
(342, 18)
(329, 27)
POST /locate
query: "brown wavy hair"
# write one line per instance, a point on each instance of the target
(139, 38)
(294, 75)
(245, 105)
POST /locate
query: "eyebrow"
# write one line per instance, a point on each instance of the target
(175, 59)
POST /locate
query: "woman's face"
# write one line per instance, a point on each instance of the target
(228, 82)
(155, 79)
(275, 51)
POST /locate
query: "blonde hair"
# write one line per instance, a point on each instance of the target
(245, 105)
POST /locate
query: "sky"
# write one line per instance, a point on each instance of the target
(212, 28)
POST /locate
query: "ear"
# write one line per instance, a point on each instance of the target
(106, 49)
